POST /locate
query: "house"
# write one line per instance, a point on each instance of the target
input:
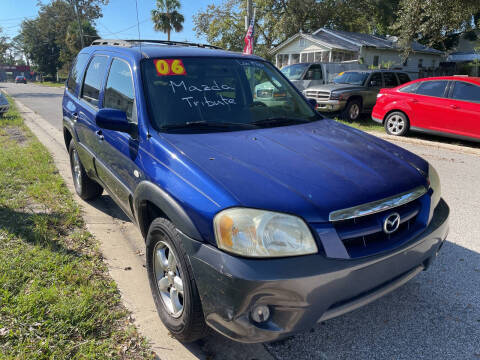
(326, 45)
(466, 55)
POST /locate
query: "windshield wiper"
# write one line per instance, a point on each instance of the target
(207, 124)
(279, 121)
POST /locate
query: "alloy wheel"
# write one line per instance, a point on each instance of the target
(77, 171)
(354, 111)
(168, 279)
(395, 124)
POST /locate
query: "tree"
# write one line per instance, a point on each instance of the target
(435, 22)
(52, 39)
(277, 20)
(166, 17)
(4, 47)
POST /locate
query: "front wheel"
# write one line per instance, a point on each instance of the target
(396, 123)
(85, 187)
(172, 283)
(352, 110)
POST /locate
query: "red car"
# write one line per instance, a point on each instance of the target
(448, 105)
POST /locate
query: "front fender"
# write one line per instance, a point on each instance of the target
(146, 192)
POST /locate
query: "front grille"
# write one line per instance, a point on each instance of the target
(317, 95)
(363, 236)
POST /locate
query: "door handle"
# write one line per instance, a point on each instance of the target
(413, 100)
(75, 116)
(99, 134)
(454, 106)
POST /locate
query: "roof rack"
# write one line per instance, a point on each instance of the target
(130, 43)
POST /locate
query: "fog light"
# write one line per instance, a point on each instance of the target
(260, 313)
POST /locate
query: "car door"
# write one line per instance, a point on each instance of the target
(313, 76)
(389, 80)
(430, 105)
(89, 137)
(373, 84)
(116, 165)
(464, 108)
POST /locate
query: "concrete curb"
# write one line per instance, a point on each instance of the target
(123, 249)
(435, 144)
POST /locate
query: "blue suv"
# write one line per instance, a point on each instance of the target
(261, 217)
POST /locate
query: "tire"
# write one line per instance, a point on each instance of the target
(352, 110)
(186, 324)
(396, 123)
(85, 187)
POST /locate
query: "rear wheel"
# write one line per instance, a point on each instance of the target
(352, 110)
(172, 283)
(396, 123)
(85, 187)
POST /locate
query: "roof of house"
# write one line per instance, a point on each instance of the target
(344, 40)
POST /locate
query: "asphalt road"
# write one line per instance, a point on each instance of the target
(434, 316)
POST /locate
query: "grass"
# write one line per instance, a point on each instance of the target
(365, 123)
(51, 84)
(56, 298)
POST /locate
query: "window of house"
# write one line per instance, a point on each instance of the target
(93, 79)
(295, 58)
(434, 63)
(303, 57)
(466, 91)
(318, 56)
(420, 63)
(302, 42)
(310, 57)
(405, 62)
(432, 88)
(376, 60)
(75, 73)
(119, 93)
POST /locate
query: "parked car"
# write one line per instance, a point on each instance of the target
(4, 106)
(20, 79)
(261, 218)
(305, 75)
(354, 92)
(447, 105)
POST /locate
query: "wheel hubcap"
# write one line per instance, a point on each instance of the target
(395, 124)
(77, 172)
(354, 111)
(168, 279)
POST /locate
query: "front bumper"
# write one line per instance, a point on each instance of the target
(330, 105)
(301, 291)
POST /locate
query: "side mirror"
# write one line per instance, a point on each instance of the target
(113, 119)
(373, 83)
(313, 102)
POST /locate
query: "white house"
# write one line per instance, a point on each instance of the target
(325, 45)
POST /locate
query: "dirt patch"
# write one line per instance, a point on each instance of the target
(16, 134)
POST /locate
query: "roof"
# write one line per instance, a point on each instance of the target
(463, 56)
(146, 49)
(352, 41)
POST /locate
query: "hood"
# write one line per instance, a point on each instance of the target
(308, 170)
(331, 87)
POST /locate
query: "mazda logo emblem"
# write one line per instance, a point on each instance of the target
(391, 223)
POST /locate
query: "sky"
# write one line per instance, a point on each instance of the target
(119, 19)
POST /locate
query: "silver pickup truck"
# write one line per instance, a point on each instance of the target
(354, 92)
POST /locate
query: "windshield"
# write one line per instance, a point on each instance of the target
(190, 92)
(351, 77)
(294, 72)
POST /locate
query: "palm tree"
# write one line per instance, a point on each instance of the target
(166, 17)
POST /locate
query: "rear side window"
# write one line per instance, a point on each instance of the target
(119, 93)
(403, 78)
(432, 88)
(466, 91)
(390, 79)
(93, 79)
(76, 71)
(411, 88)
(375, 80)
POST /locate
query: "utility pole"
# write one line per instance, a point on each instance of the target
(80, 29)
(248, 18)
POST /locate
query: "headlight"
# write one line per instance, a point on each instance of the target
(434, 181)
(336, 96)
(259, 233)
